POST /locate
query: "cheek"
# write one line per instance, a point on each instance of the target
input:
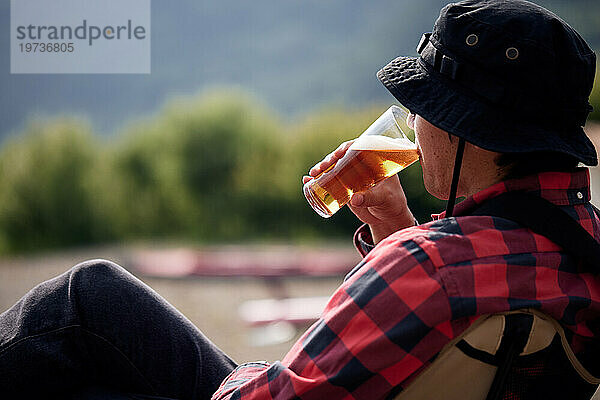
(435, 169)
(425, 148)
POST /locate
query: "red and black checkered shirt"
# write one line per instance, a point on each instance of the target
(423, 286)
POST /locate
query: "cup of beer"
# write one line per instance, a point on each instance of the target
(378, 153)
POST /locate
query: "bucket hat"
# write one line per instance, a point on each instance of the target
(507, 76)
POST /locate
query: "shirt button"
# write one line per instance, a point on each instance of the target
(579, 195)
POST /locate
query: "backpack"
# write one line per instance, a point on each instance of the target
(521, 354)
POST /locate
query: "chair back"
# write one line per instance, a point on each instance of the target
(514, 355)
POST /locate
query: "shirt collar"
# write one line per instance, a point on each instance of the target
(560, 188)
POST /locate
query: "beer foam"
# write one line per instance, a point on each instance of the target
(369, 142)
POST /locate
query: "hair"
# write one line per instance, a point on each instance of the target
(518, 165)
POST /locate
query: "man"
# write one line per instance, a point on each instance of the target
(497, 101)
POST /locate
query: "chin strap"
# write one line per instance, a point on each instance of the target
(455, 177)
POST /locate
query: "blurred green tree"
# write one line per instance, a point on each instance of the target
(202, 168)
(45, 200)
(210, 168)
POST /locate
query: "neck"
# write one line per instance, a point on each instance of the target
(479, 170)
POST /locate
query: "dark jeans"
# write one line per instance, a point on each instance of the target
(97, 326)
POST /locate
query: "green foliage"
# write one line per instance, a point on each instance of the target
(198, 169)
(44, 197)
(218, 167)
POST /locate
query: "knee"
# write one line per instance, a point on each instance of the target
(102, 291)
(97, 272)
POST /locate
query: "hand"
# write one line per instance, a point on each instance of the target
(383, 207)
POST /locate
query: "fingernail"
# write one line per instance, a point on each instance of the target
(357, 199)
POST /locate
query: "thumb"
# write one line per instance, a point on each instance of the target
(371, 198)
(357, 200)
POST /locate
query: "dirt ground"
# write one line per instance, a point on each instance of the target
(210, 303)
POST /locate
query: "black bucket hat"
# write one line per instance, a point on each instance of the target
(507, 76)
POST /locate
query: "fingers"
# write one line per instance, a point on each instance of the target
(330, 159)
(342, 149)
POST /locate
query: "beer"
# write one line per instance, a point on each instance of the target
(367, 162)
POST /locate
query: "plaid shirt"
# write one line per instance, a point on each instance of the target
(423, 286)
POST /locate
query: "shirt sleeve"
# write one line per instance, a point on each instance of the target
(385, 323)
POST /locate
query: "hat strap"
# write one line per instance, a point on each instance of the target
(455, 177)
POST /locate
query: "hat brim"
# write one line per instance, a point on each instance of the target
(453, 108)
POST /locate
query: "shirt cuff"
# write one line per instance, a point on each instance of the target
(363, 241)
(242, 374)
